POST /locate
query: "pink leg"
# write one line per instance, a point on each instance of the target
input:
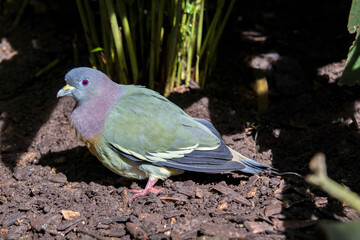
(149, 188)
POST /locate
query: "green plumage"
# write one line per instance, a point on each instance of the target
(137, 133)
(147, 126)
(146, 123)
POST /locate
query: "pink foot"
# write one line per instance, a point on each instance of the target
(148, 189)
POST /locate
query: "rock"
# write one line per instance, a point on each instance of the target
(69, 215)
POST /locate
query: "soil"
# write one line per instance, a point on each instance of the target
(51, 187)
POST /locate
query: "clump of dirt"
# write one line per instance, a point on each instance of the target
(51, 187)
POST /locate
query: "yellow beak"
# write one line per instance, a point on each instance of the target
(66, 90)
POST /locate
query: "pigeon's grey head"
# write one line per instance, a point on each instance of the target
(85, 83)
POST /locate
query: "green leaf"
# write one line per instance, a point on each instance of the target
(190, 8)
(97, 49)
(351, 74)
(354, 16)
(335, 230)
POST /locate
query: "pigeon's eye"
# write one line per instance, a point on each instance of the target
(85, 82)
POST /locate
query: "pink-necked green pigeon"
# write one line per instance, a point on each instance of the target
(137, 133)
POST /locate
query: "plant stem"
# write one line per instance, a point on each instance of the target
(158, 38)
(152, 45)
(191, 45)
(200, 27)
(199, 38)
(321, 179)
(197, 80)
(212, 28)
(179, 71)
(171, 57)
(122, 68)
(129, 41)
(140, 5)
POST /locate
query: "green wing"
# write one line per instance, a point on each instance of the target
(145, 126)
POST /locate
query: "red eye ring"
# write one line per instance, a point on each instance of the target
(85, 82)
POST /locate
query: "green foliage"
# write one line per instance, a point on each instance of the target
(162, 44)
(354, 17)
(351, 74)
(335, 231)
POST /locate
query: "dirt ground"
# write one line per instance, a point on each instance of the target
(51, 187)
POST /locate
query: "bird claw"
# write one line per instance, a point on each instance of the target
(143, 192)
(148, 189)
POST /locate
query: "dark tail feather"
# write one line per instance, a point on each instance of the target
(254, 167)
(251, 166)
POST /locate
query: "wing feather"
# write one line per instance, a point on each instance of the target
(145, 127)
